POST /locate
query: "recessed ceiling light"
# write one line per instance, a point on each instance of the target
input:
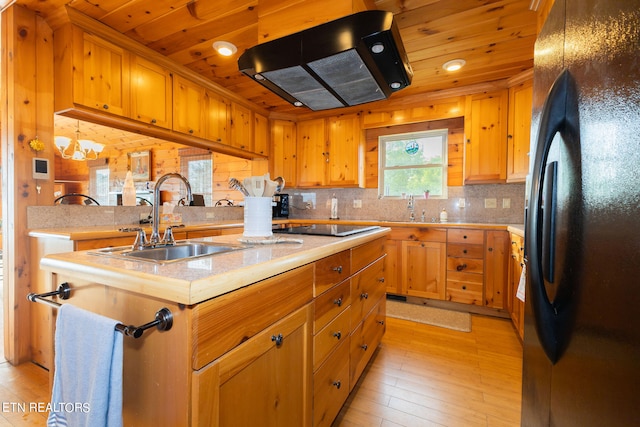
(225, 48)
(454, 64)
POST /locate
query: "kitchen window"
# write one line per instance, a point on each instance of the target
(99, 183)
(413, 163)
(197, 166)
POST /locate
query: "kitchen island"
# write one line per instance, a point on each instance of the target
(275, 334)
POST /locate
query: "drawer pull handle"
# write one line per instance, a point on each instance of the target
(464, 237)
(464, 251)
(338, 302)
(364, 347)
(464, 288)
(277, 339)
(364, 295)
(461, 267)
(338, 269)
(338, 335)
(337, 384)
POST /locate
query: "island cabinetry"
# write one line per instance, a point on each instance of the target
(465, 266)
(515, 306)
(328, 151)
(151, 93)
(263, 382)
(90, 72)
(338, 315)
(485, 128)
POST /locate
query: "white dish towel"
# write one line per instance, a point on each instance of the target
(87, 383)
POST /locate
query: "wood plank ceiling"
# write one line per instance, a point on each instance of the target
(494, 37)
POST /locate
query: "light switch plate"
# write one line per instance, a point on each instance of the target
(461, 203)
(490, 203)
(506, 203)
(357, 204)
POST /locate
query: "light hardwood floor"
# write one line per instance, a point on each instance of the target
(420, 376)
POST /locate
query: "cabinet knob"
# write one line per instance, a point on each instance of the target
(277, 339)
(105, 106)
(490, 249)
(364, 295)
(190, 130)
(464, 237)
(337, 384)
(338, 269)
(338, 302)
(464, 287)
(154, 121)
(464, 251)
(461, 267)
(338, 335)
(364, 347)
(381, 279)
(381, 322)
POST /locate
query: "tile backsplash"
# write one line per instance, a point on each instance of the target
(508, 200)
(477, 202)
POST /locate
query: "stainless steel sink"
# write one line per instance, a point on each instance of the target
(181, 251)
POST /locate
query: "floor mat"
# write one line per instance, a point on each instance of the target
(455, 320)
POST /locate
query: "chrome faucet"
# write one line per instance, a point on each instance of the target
(155, 236)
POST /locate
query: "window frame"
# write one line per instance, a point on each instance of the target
(393, 137)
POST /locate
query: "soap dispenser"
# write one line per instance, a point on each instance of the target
(128, 191)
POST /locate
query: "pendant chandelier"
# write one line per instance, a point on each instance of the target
(78, 149)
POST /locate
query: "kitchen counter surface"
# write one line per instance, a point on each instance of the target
(105, 232)
(191, 282)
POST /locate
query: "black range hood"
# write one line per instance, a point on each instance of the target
(350, 61)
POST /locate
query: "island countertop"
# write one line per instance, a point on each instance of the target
(193, 281)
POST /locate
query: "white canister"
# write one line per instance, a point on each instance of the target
(257, 217)
(443, 215)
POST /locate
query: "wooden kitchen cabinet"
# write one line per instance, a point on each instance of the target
(496, 268)
(424, 269)
(519, 131)
(485, 128)
(90, 72)
(151, 93)
(216, 117)
(265, 381)
(241, 125)
(515, 306)
(262, 134)
(328, 151)
(465, 266)
(283, 154)
(188, 106)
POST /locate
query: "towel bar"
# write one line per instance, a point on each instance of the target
(163, 320)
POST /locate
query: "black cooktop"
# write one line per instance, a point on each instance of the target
(336, 230)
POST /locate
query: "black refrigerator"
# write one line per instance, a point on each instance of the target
(581, 363)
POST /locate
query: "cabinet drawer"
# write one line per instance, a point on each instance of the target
(220, 324)
(330, 304)
(364, 255)
(465, 250)
(365, 338)
(367, 286)
(465, 265)
(474, 237)
(325, 341)
(331, 270)
(331, 386)
(463, 291)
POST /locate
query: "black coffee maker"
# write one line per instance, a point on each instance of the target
(281, 206)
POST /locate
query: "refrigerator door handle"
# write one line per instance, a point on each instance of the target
(559, 115)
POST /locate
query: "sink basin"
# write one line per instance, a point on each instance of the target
(181, 251)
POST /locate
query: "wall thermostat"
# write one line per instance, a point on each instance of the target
(41, 168)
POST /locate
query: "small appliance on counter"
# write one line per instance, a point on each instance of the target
(281, 206)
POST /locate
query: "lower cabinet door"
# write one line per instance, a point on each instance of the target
(265, 381)
(331, 386)
(365, 339)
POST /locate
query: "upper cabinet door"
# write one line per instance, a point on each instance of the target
(485, 128)
(188, 106)
(261, 130)
(241, 127)
(99, 73)
(217, 117)
(519, 136)
(344, 150)
(312, 153)
(151, 93)
(282, 160)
